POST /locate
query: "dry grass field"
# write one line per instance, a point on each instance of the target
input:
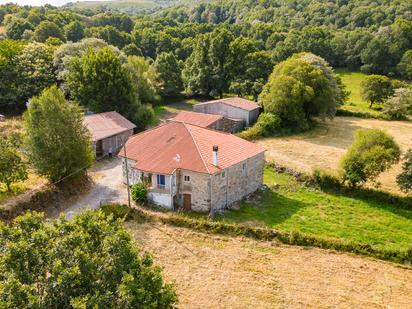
(214, 271)
(324, 146)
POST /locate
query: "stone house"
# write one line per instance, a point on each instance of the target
(233, 108)
(109, 132)
(190, 167)
(216, 122)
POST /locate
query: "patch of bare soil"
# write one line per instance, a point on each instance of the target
(213, 271)
(325, 145)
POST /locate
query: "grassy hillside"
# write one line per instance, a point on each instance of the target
(126, 6)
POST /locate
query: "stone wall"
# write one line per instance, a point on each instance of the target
(236, 182)
(115, 142)
(228, 125)
(198, 187)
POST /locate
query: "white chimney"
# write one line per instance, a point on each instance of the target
(215, 156)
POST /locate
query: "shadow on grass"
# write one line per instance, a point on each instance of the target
(270, 208)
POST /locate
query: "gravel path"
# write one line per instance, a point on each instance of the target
(107, 187)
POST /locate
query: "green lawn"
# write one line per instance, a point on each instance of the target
(352, 81)
(292, 207)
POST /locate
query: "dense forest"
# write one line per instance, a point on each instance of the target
(205, 49)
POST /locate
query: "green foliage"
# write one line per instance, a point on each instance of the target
(57, 142)
(143, 76)
(74, 31)
(267, 125)
(399, 106)
(132, 50)
(47, 29)
(88, 78)
(300, 88)
(372, 152)
(16, 26)
(168, 75)
(139, 192)
(404, 179)
(118, 211)
(110, 35)
(89, 261)
(405, 65)
(12, 167)
(376, 89)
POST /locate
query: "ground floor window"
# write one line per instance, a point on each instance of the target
(161, 180)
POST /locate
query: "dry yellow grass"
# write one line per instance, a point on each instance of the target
(324, 146)
(212, 271)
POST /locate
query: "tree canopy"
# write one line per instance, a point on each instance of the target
(89, 261)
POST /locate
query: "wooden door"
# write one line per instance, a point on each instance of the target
(99, 148)
(187, 201)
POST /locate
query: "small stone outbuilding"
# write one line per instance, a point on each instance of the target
(109, 131)
(232, 108)
(194, 168)
(216, 122)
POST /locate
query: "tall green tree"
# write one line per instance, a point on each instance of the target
(89, 261)
(16, 26)
(47, 29)
(405, 65)
(99, 81)
(376, 89)
(300, 88)
(168, 75)
(58, 143)
(143, 77)
(74, 31)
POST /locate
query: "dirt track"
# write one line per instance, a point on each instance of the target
(324, 146)
(213, 271)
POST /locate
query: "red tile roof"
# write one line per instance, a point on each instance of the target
(179, 145)
(197, 119)
(107, 124)
(236, 102)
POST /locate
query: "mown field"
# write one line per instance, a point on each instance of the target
(218, 271)
(324, 146)
(290, 206)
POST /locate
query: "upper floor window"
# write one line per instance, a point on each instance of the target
(187, 178)
(223, 174)
(244, 168)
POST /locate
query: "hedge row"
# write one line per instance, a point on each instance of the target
(290, 238)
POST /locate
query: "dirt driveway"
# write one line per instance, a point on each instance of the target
(214, 271)
(324, 146)
(107, 186)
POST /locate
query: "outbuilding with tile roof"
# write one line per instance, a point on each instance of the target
(192, 167)
(109, 131)
(234, 108)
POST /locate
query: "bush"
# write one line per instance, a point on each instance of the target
(372, 153)
(267, 125)
(139, 192)
(119, 211)
(404, 179)
(325, 179)
(399, 105)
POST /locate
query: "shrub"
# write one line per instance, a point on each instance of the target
(325, 179)
(404, 179)
(267, 125)
(372, 153)
(139, 192)
(399, 105)
(119, 211)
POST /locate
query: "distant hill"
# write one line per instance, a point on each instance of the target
(125, 6)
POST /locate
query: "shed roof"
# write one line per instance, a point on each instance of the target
(235, 102)
(107, 124)
(197, 119)
(180, 145)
